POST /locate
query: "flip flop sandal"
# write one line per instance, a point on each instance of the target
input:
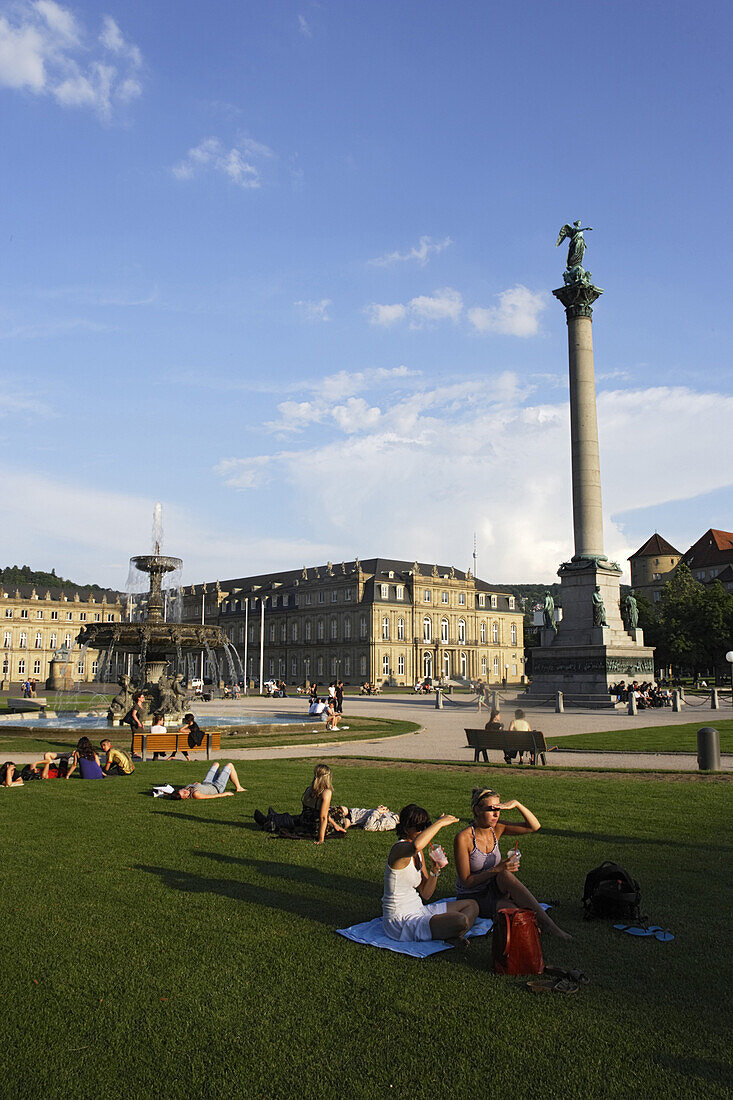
(633, 930)
(661, 934)
(572, 975)
(562, 985)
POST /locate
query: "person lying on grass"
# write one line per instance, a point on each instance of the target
(117, 762)
(213, 785)
(317, 819)
(9, 775)
(86, 759)
(407, 912)
(54, 765)
(483, 876)
(379, 820)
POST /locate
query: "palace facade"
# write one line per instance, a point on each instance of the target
(39, 624)
(379, 620)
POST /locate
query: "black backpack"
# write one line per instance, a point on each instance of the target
(610, 891)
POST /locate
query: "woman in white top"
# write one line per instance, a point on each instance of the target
(408, 886)
(521, 725)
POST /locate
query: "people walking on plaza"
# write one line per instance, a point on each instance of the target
(340, 697)
(483, 876)
(407, 912)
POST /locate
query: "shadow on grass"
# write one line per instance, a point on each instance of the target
(293, 872)
(611, 838)
(330, 913)
(197, 819)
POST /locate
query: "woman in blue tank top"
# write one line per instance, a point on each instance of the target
(87, 760)
(483, 875)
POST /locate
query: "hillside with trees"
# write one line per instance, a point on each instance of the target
(13, 575)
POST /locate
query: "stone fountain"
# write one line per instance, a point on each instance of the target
(163, 651)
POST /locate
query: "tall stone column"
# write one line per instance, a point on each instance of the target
(578, 299)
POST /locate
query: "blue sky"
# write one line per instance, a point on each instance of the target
(287, 268)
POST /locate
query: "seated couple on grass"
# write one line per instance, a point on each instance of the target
(485, 883)
(317, 819)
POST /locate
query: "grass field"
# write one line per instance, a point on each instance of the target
(245, 737)
(681, 738)
(171, 949)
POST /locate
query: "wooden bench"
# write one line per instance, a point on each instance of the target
(144, 743)
(506, 741)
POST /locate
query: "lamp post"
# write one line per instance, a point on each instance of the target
(246, 639)
(729, 659)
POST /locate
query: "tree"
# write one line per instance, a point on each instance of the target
(693, 628)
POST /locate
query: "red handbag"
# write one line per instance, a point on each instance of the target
(516, 947)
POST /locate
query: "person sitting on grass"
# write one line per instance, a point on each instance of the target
(213, 785)
(483, 876)
(117, 762)
(87, 759)
(9, 775)
(194, 739)
(407, 912)
(317, 819)
(332, 717)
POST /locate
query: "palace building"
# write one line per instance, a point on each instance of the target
(38, 625)
(378, 620)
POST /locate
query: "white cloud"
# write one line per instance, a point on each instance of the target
(211, 155)
(495, 463)
(46, 51)
(304, 27)
(516, 315)
(446, 304)
(315, 311)
(421, 252)
(335, 399)
(386, 315)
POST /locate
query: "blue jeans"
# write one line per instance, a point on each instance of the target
(218, 777)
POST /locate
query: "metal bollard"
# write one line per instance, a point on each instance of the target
(676, 708)
(632, 704)
(714, 701)
(438, 699)
(494, 700)
(559, 705)
(708, 749)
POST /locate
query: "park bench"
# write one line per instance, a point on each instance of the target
(144, 742)
(507, 741)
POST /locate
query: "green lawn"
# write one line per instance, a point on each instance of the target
(166, 949)
(651, 738)
(17, 739)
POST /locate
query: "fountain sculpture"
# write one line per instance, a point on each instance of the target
(164, 651)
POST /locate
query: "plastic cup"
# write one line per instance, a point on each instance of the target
(514, 854)
(438, 856)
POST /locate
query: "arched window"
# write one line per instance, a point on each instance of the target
(347, 628)
(496, 666)
(446, 665)
(385, 628)
(427, 664)
(283, 634)
(363, 627)
(514, 633)
(272, 632)
(401, 630)
(462, 631)
(495, 633)
(483, 633)
(307, 630)
(427, 629)
(319, 630)
(294, 634)
(484, 666)
(444, 631)
(334, 629)
(464, 666)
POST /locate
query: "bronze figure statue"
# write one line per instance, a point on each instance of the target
(576, 248)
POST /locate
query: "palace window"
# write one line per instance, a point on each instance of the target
(321, 598)
(6, 666)
(427, 664)
(272, 632)
(363, 627)
(241, 635)
(401, 664)
(511, 603)
(513, 634)
(482, 632)
(80, 668)
(495, 633)
(482, 600)
(294, 632)
(24, 612)
(334, 666)
(347, 666)
(283, 632)
(67, 641)
(496, 666)
(494, 602)
(462, 631)
(385, 665)
(401, 630)
(294, 667)
(464, 666)
(307, 630)
(426, 595)
(444, 597)
(334, 629)
(444, 630)
(334, 596)
(347, 594)
(362, 665)
(347, 628)
(462, 599)
(53, 641)
(484, 666)
(97, 616)
(271, 666)
(385, 629)
(8, 639)
(427, 629)
(400, 592)
(319, 630)
(23, 640)
(319, 666)
(21, 667)
(82, 616)
(37, 667)
(307, 599)
(385, 591)
(39, 640)
(110, 618)
(252, 633)
(39, 614)
(9, 613)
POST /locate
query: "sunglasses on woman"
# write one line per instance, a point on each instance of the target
(489, 809)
